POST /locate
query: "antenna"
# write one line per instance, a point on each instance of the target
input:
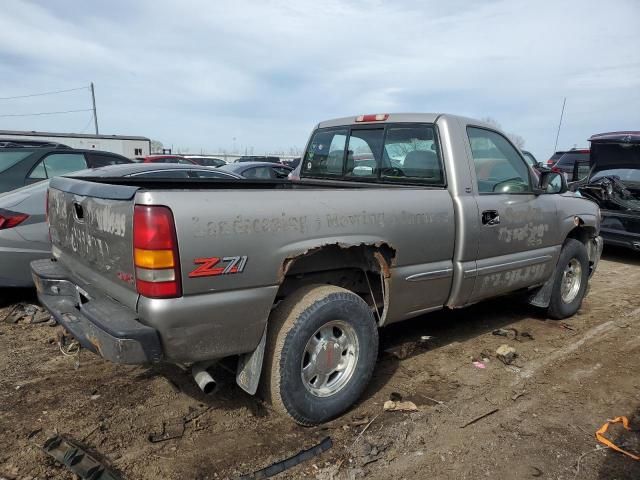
(559, 124)
(95, 114)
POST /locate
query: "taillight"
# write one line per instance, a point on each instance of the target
(376, 117)
(155, 252)
(556, 169)
(9, 219)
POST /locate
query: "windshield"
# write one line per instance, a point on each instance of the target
(9, 159)
(624, 174)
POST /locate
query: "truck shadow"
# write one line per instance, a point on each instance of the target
(12, 296)
(621, 255)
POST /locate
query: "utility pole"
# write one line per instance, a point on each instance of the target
(95, 115)
(559, 125)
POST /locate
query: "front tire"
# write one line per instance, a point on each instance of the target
(321, 352)
(570, 280)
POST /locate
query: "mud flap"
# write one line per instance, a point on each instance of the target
(542, 296)
(250, 367)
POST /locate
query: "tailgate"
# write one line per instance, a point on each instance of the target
(91, 227)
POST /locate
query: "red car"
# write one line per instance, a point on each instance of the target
(167, 159)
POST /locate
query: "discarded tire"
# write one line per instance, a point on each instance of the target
(570, 280)
(321, 352)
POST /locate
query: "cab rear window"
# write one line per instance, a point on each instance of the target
(395, 153)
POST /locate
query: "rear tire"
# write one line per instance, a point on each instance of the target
(570, 280)
(322, 347)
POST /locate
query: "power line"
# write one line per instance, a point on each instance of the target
(44, 93)
(46, 113)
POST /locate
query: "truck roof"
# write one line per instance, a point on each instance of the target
(397, 118)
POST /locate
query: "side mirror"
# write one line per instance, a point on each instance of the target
(551, 182)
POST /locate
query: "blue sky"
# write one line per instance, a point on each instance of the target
(196, 74)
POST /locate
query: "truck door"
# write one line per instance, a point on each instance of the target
(518, 241)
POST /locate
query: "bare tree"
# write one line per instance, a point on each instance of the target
(517, 140)
(492, 121)
(156, 146)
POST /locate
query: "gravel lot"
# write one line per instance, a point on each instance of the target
(565, 383)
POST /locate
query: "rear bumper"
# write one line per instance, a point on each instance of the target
(99, 323)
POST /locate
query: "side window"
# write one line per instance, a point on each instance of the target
(499, 166)
(59, 164)
(38, 172)
(363, 151)
(325, 154)
(411, 153)
(258, 173)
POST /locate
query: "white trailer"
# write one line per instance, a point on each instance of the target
(129, 146)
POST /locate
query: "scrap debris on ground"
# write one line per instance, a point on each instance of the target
(534, 418)
(27, 313)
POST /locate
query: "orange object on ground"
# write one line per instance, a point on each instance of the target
(605, 441)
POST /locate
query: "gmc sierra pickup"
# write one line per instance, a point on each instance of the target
(395, 215)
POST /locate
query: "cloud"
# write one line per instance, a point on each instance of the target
(197, 74)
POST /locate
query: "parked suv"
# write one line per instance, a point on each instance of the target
(555, 157)
(567, 161)
(24, 165)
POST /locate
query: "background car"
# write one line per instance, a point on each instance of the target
(613, 182)
(555, 157)
(566, 162)
(258, 170)
(207, 161)
(27, 164)
(23, 229)
(258, 158)
(167, 159)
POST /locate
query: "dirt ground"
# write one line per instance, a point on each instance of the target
(567, 380)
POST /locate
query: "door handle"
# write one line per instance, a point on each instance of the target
(490, 217)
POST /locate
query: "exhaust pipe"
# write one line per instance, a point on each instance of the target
(204, 380)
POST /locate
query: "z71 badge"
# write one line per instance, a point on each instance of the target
(215, 266)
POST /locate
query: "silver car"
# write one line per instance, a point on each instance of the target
(23, 230)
